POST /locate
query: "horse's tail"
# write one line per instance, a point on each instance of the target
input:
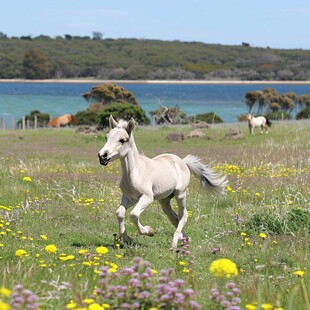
(268, 122)
(74, 120)
(209, 179)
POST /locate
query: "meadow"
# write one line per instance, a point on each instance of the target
(248, 250)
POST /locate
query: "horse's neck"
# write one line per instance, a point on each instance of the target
(130, 163)
(251, 120)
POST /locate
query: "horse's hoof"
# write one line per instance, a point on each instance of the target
(151, 231)
(127, 240)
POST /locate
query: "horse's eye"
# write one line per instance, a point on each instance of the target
(122, 141)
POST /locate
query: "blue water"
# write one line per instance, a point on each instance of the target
(227, 101)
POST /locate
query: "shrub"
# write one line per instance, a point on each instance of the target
(279, 115)
(292, 221)
(122, 111)
(303, 114)
(42, 118)
(210, 118)
(89, 118)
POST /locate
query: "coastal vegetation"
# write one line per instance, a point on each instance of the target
(44, 57)
(248, 249)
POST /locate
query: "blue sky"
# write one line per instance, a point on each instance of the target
(262, 23)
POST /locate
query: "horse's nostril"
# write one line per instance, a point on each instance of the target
(105, 155)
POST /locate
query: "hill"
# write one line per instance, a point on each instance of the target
(80, 57)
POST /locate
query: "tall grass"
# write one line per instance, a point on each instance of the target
(262, 224)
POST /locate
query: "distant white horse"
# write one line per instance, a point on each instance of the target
(161, 178)
(261, 121)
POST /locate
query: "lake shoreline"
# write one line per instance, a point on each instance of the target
(180, 82)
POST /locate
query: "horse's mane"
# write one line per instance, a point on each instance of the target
(122, 123)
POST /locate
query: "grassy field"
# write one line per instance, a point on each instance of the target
(58, 224)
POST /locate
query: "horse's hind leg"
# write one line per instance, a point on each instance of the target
(172, 216)
(183, 216)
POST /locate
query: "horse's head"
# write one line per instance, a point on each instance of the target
(118, 138)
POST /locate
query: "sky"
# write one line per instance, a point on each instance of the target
(281, 24)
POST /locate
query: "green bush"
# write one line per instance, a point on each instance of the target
(303, 114)
(278, 115)
(89, 118)
(42, 118)
(121, 111)
(210, 118)
(292, 221)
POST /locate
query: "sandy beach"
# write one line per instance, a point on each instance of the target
(203, 82)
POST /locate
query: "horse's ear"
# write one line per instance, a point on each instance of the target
(113, 123)
(130, 126)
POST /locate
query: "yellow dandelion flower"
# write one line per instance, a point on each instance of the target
(243, 234)
(267, 306)
(27, 179)
(299, 273)
(21, 253)
(106, 306)
(102, 250)
(250, 307)
(95, 306)
(81, 252)
(51, 248)
(88, 301)
(4, 292)
(118, 256)
(224, 267)
(4, 305)
(43, 237)
(263, 235)
(154, 271)
(182, 263)
(71, 305)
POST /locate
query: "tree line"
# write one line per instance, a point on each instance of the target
(271, 102)
(43, 57)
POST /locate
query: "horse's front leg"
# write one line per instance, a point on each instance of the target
(120, 214)
(143, 202)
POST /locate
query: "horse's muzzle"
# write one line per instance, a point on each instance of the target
(103, 159)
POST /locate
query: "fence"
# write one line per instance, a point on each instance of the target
(7, 121)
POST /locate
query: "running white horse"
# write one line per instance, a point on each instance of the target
(161, 178)
(261, 121)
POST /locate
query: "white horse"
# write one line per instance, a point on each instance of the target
(261, 121)
(145, 180)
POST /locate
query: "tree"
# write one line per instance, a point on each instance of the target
(36, 65)
(250, 99)
(108, 93)
(97, 35)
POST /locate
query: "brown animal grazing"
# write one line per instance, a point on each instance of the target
(61, 121)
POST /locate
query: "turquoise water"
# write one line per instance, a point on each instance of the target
(19, 99)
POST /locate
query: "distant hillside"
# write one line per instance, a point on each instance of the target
(78, 57)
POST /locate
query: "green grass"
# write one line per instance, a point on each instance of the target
(72, 200)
